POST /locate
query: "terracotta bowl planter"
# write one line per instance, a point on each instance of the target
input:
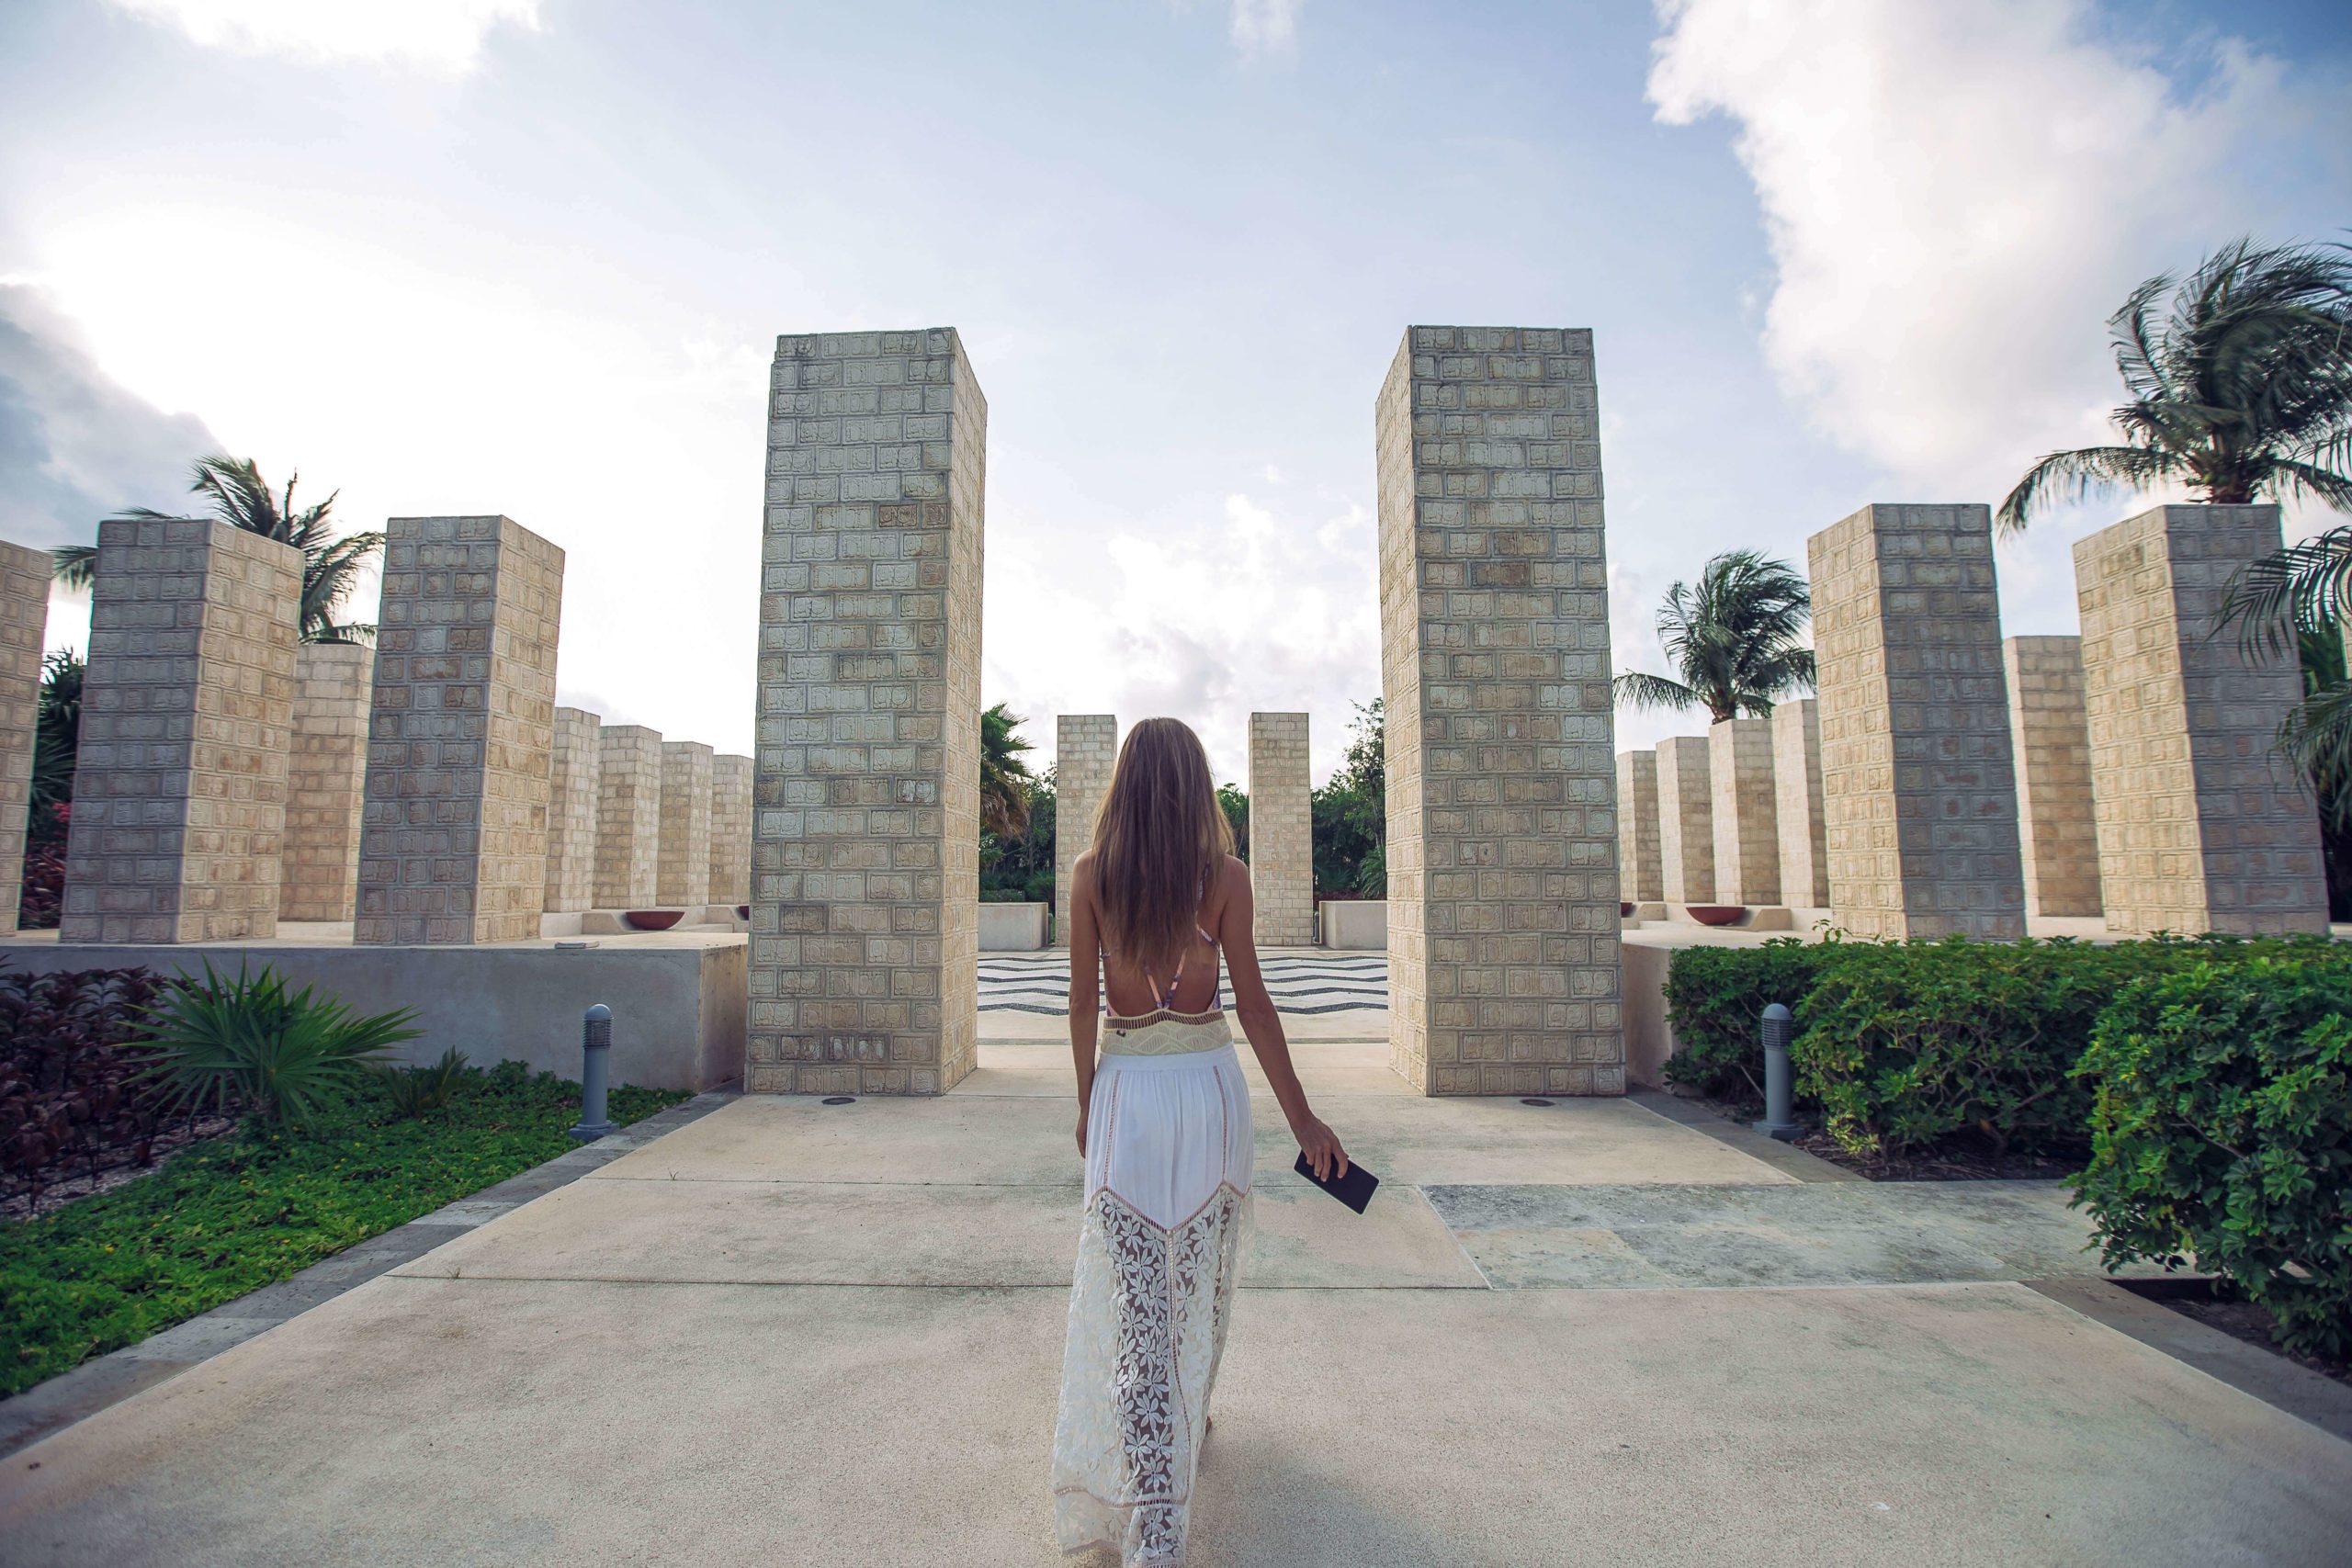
(1625, 910)
(742, 911)
(652, 919)
(1717, 914)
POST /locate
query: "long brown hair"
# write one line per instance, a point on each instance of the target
(1159, 837)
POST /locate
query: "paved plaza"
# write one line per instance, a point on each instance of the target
(1601, 1330)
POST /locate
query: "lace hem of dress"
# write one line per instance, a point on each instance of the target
(1148, 1311)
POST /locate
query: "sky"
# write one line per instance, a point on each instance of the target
(531, 257)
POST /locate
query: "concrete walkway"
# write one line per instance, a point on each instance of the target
(793, 1333)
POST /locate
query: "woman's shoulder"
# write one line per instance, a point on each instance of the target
(1233, 875)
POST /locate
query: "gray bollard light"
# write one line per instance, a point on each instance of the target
(1779, 1115)
(595, 1063)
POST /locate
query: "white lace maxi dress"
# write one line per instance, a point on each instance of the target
(1158, 1253)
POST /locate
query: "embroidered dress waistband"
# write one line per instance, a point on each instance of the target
(1163, 1035)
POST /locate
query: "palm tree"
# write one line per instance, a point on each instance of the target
(242, 498)
(1733, 640)
(2299, 599)
(2241, 385)
(1004, 777)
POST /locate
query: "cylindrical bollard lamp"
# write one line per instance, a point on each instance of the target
(1779, 1114)
(595, 1063)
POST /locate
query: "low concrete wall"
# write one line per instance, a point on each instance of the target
(678, 1009)
(1354, 922)
(1648, 1041)
(1013, 927)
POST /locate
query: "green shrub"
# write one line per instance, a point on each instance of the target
(2222, 1130)
(1908, 1046)
(1715, 999)
(250, 1040)
(413, 1092)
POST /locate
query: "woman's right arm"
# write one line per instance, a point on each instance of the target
(1085, 979)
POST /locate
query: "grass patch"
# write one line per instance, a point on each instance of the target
(259, 1205)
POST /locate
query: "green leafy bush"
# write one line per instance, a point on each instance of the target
(235, 1213)
(2222, 1130)
(1908, 1044)
(1715, 999)
(250, 1040)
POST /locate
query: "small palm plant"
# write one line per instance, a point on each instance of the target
(1734, 640)
(2299, 600)
(221, 1043)
(241, 497)
(1004, 777)
(2241, 383)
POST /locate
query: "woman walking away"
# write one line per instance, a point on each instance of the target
(1163, 1124)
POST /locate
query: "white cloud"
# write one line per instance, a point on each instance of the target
(1265, 26)
(1957, 196)
(1258, 610)
(437, 35)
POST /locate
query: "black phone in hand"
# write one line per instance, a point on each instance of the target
(1355, 1189)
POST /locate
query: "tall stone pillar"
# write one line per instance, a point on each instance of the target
(1282, 831)
(681, 869)
(179, 787)
(1919, 804)
(1086, 748)
(1796, 779)
(865, 961)
(575, 778)
(2050, 737)
(24, 628)
(731, 829)
(629, 817)
(1747, 812)
(1503, 927)
(453, 843)
(1641, 877)
(2200, 828)
(326, 777)
(1686, 819)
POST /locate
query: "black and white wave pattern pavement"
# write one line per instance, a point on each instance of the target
(1039, 982)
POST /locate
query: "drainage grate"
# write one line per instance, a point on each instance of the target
(839, 1099)
(1532, 1101)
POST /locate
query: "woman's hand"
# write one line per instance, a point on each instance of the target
(1081, 1129)
(1321, 1146)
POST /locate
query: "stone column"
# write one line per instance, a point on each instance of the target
(2199, 827)
(1503, 928)
(23, 629)
(325, 776)
(1686, 819)
(1282, 831)
(454, 841)
(865, 961)
(628, 816)
(1919, 806)
(681, 866)
(2050, 737)
(575, 777)
(1796, 779)
(179, 790)
(1086, 748)
(1747, 812)
(1642, 877)
(731, 829)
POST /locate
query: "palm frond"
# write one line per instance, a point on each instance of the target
(2316, 737)
(2304, 587)
(75, 566)
(1646, 692)
(2075, 475)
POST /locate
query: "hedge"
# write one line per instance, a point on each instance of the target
(2221, 1131)
(1902, 1047)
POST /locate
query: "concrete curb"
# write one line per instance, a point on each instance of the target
(49, 1407)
